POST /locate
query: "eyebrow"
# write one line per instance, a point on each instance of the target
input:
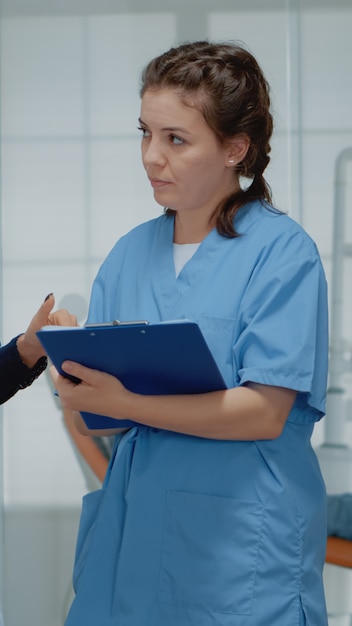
(170, 129)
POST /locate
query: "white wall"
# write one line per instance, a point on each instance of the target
(72, 183)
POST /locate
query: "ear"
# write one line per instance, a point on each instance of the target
(236, 149)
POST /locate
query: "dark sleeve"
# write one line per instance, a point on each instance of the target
(340, 515)
(14, 374)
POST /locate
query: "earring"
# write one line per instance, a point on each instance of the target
(231, 161)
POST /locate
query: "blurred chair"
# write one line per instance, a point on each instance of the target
(338, 580)
(339, 552)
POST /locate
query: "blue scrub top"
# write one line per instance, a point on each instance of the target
(190, 531)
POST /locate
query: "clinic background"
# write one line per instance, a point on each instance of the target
(72, 183)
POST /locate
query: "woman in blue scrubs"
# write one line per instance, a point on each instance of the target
(213, 510)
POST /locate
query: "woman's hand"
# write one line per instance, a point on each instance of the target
(250, 412)
(97, 392)
(28, 345)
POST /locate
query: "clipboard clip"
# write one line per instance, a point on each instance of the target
(118, 323)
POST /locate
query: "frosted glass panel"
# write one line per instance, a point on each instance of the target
(43, 193)
(318, 185)
(115, 63)
(326, 69)
(24, 289)
(72, 183)
(40, 464)
(121, 195)
(41, 73)
(39, 450)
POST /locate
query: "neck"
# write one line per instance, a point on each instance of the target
(188, 229)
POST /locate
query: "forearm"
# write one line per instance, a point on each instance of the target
(244, 413)
(14, 373)
(251, 412)
(30, 351)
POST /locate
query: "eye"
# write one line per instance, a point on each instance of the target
(177, 141)
(144, 131)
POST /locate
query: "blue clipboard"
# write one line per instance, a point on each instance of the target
(151, 359)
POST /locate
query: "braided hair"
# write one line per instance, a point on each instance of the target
(226, 84)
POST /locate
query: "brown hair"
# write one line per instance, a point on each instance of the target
(225, 82)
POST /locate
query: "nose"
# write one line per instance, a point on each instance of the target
(152, 152)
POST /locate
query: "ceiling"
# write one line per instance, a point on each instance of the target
(17, 8)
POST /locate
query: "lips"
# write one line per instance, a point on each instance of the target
(156, 183)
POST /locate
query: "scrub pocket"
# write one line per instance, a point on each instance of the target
(90, 508)
(210, 552)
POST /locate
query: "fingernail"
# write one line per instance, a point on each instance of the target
(48, 296)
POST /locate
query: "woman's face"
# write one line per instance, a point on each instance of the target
(187, 166)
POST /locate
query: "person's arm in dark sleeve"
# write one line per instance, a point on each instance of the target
(23, 359)
(14, 374)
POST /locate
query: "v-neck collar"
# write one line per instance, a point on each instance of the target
(175, 290)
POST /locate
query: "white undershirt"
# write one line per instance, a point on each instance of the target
(183, 252)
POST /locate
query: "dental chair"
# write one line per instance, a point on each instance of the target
(339, 552)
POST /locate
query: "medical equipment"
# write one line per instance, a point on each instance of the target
(335, 455)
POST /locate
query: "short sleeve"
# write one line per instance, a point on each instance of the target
(283, 338)
(96, 304)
